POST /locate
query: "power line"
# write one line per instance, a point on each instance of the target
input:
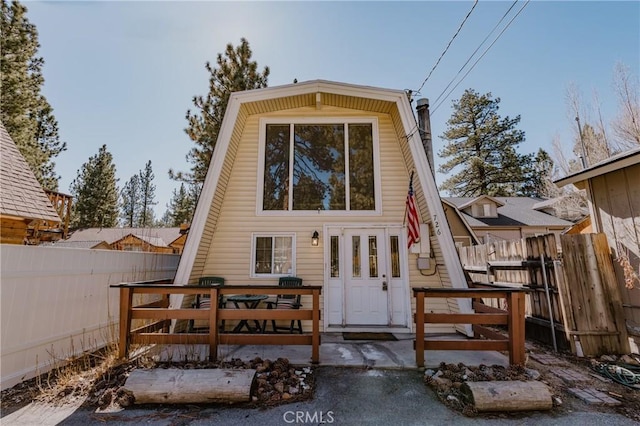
(481, 56)
(448, 45)
(475, 51)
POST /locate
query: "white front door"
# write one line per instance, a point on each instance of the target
(366, 278)
(366, 285)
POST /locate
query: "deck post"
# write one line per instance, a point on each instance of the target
(213, 324)
(126, 298)
(516, 328)
(315, 324)
(419, 319)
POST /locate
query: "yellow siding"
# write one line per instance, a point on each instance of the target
(225, 249)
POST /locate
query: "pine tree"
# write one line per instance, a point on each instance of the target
(181, 206)
(24, 111)
(130, 204)
(481, 147)
(95, 193)
(235, 72)
(539, 182)
(147, 196)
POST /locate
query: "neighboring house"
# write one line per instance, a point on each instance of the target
(24, 206)
(156, 240)
(96, 245)
(178, 243)
(564, 207)
(581, 227)
(613, 190)
(333, 160)
(507, 218)
(463, 235)
(132, 242)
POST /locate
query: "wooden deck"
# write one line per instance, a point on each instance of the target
(158, 331)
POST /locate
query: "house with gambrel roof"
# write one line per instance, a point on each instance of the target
(22, 199)
(507, 218)
(310, 180)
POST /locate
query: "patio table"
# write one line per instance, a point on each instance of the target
(250, 301)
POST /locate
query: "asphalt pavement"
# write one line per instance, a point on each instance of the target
(357, 383)
(344, 396)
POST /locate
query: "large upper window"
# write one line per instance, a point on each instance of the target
(319, 166)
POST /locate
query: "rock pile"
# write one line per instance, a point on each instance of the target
(447, 381)
(278, 381)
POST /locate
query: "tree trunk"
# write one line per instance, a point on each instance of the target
(509, 395)
(176, 386)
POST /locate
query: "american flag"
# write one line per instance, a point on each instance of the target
(413, 224)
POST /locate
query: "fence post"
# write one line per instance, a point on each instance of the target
(516, 327)
(126, 298)
(419, 319)
(213, 324)
(315, 324)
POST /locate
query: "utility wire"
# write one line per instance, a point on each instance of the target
(481, 56)
(448, 45)
(475, 51)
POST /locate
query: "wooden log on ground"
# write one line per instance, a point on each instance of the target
(508, 395)
(176, 386)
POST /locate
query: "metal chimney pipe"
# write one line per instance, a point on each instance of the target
(424, 127)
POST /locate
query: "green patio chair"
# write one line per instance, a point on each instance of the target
(286, 301)
(203, 300)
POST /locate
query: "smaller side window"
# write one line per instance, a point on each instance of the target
(273, 255)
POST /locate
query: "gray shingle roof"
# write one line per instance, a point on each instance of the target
(159, 237)
(20, 192)
(74, 244)
(516, 211)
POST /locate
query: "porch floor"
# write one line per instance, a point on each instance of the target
(335, 351)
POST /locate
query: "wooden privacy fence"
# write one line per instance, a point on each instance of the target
(158, 331)
(566, 288)
(591, 299)
(513, 318)
(532, 263)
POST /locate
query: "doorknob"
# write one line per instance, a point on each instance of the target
(384, 283)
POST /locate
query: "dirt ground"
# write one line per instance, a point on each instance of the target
(100, 386)
(450, 394)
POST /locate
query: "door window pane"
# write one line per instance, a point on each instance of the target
(373, 257)
(355, 256)
(335, 257)
(395, 256)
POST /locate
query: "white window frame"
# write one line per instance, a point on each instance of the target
(319, 120)
(254, 238)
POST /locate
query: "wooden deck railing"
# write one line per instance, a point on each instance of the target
(513, 318)
(158, 331)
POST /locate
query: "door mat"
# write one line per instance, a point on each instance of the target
(368, 336)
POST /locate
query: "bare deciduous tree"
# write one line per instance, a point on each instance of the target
(626, 125)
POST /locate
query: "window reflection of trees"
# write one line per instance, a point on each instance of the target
(276, 170)
(362, 194)
(319, 167)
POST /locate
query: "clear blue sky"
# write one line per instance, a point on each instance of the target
(124, 73)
